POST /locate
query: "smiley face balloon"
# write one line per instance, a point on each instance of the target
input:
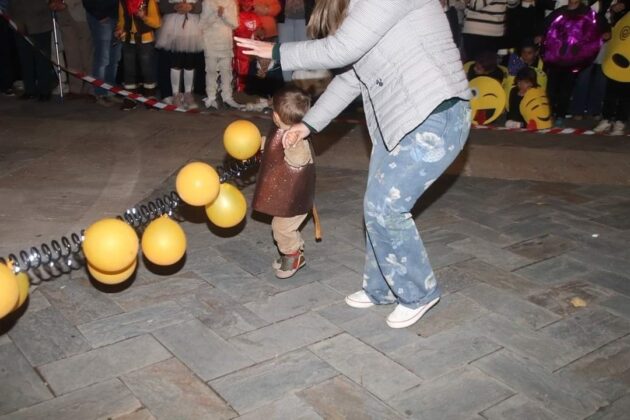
(488, 96)
(616, 64)
(535, 109)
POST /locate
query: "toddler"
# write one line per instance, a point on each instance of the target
(525, 80)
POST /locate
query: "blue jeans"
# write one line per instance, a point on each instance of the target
(397, 268)
(106, 51)
(588, 94)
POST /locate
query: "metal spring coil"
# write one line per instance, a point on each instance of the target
(65, 255)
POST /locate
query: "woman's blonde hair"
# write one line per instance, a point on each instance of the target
(326, 18)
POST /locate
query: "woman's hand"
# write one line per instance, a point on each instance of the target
(294, 134)
(256, 48)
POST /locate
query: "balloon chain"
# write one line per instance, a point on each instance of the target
(63, 256)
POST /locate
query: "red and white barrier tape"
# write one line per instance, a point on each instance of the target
(168, 107)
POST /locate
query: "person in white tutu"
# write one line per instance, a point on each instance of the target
(180, 35)
(218, 20)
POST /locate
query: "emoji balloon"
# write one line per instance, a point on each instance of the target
(616, 64)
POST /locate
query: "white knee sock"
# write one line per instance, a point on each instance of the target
(175, 77)
(189, 78)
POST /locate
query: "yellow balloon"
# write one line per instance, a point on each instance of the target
(488, 94)
(197, 184)
(112, 277)
(164, 241)
(229, 209)
(9, 291)
(242, 139)
(24, 284)
(110, 245)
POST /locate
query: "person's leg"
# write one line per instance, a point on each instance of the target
(566, 85)
(27, 63)
(224, 65)
(73, 40)
(146, 60)
(100, 49)
(397, 264)
(212, 66)
(114, 46)
(188, 65)
(43, 68)
(598, 87)
(287, 235)
(580, 95)
(6, 69)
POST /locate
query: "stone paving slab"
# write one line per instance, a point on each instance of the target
(285, 336)
(139, 297)
(102, 364)
(563, 397)
(104, 400)
(289, 407)
(518, 407)
(171, 391)
(339, 398)
(263, 383)
(362, 364)
(490, 253)
(131, 324)
(20, 386)
(472, 390)
(202, 350)
(44, 336)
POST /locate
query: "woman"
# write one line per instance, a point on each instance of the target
(400, 56)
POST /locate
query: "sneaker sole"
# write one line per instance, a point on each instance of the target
(357, 304)
(415, 318)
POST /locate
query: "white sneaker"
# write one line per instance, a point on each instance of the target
(232, 103)
(189, 101)
(359, 300)
(603, 126)
(403, 316)
(618, 128)
(178, 100)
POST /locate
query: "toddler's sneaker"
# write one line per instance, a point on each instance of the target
(210, 103)
(403, 316)
(618, 129)
(288, 264)
(359, 300)
(603, 126)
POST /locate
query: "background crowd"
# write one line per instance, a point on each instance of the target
(182, 50)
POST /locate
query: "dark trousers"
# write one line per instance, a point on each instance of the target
(616, 101)
(140, 56)
(560, 84)
(7, 62)
(36, 69)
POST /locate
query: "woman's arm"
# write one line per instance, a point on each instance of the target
(341, 91)
(366, 23)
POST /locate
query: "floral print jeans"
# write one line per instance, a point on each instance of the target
(397, 268)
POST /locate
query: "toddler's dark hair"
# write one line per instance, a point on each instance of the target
(487, 60)
(526, 74)
(291, 103)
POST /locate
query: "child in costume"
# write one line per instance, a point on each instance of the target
(525, 79)
(180, 35)
(137, 22)
(249, 26)
(219, 18)
(286, 181)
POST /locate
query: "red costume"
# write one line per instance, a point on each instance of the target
(248, 24)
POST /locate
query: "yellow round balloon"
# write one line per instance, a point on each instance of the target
(110, 245)
(9, 291)
(197, 184)
(112, 277)
(488, 95)
(229, 209)
(164, 241)
(242, 139)
(24, 284)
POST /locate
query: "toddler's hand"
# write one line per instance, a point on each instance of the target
(294, 134)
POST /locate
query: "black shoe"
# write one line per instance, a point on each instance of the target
(128, 104)
(27, 96)
(44, 97)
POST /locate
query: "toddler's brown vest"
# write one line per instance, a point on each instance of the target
(281, 189)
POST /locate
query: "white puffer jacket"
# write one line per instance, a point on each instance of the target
(403, 61)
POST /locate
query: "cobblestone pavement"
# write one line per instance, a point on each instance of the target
(534, 322)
